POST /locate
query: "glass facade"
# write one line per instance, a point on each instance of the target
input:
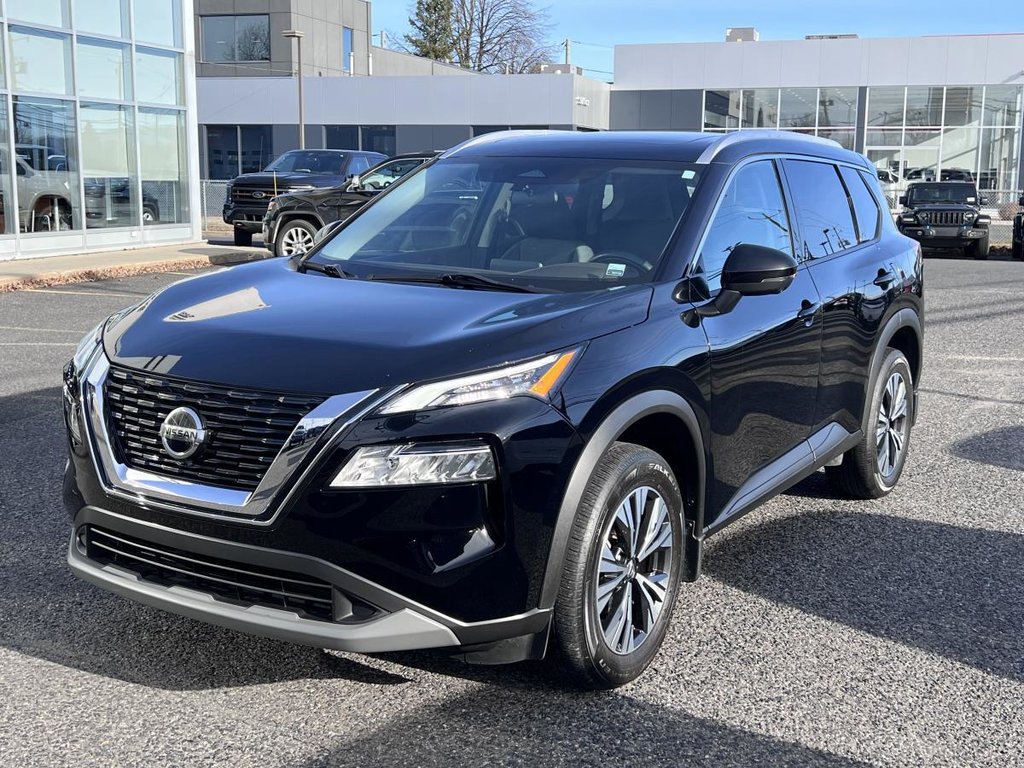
(911, 133)
(92, 125)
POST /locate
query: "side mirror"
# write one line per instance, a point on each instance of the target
(326, 231)
(903, 199)
(982, 201)
(1021, 200)
(750, 270)
(354, 183)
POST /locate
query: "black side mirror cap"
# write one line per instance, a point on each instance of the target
(754, 270)
(326, 231)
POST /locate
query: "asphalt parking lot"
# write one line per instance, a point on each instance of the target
(824, 632)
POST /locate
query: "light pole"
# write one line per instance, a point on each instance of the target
(294, 33)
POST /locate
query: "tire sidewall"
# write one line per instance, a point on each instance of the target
(895, 361)
(294, 224)
(648, 470)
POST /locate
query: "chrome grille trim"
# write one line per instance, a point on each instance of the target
(314, 432)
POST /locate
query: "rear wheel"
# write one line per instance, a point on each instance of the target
(243, 237)
(873, 467)
(622, 569)
(294, 238)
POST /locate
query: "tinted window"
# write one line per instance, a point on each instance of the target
(752, 211)
(822, 208)
(302, 161)
(864, 205)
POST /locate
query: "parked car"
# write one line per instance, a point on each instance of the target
(108, 202)
(44, 189)
(501, 410)
(946, 215)
(248, 195)
(293, 219)
(1018, 232)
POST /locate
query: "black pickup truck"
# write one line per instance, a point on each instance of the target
(946, 214)
(1018, 231)
(248, 195)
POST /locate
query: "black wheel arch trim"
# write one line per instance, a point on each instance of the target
(611, 428)
(903, 318)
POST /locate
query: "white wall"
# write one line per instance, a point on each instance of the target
(950, 60)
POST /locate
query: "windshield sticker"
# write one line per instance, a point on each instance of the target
(615, 270)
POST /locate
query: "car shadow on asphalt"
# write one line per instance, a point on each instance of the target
(47, 613)
(497, 725)
(1000, 447)
(954, 591)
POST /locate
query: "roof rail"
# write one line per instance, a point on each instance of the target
(741, 136)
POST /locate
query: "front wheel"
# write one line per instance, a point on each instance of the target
(294, 238)
(1018, 249)
(979, 249)
(622, 569)
(872, 468)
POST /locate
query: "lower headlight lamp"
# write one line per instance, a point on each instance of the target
(382, 466)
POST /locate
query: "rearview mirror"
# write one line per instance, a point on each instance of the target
(325, 231)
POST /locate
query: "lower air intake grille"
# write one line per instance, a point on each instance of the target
(238, 583)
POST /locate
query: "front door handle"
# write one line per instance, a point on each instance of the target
(885, 278)
(808, 309)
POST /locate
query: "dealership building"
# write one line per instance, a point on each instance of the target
(120, 118)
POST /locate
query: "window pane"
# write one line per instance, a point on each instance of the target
(963, 106)
(387, 174)
(7, 218)
(797, 107)
(845, 136)
(46, 166)
(108, 166)
(41, 61)
(103, 70)
(378, 138)
(158, 77)
(864, 205)
(102, 17)
(837, 107)
(959, 154)
(222, 151)
(53, 13)
(158, 21)
(924, 106)
(999, 153)
(722, 109)
(346, 48)
(822, 208)
(921, 163)
(887, 138)
(164, 167)
(1002, 105)
(751, 211)
(217, 37)
(342, 137)
(256, 141)
(760, 108)
(885, 106)
(252, 38)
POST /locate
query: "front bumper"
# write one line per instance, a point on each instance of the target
(944, 237)
(247, 217)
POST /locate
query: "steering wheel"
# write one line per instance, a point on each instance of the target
(611, 257)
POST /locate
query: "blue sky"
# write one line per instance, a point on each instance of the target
(599, 23)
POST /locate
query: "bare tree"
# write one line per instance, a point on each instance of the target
(251, 44)
(500, 35)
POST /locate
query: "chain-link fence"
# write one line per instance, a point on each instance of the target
(213, 194)
(1001, 204)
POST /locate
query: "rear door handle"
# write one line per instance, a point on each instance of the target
(808, 309)
(885, 278)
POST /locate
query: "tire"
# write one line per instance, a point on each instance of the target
(862, 473)
(243, 237)
(149, 215)
(294, 238)
(979, 249)
(625, 474)
(1018, 249)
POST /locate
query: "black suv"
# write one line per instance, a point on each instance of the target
(1018, 231)
(293, 220)
(502, 408)
(946, 214)
(248, 195)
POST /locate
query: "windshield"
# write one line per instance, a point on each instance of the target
(558, 223)
(922, 194)
(309, 162)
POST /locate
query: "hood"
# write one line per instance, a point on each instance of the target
(266, 326)
(943, 207)
(265, 179)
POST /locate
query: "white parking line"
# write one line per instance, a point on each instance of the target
(980, 359)
(82, 293)
(37, 343)
(36, 330)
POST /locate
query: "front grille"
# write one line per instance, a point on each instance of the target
(946, 218)
(245, 194)
(238, 583)
(246, 429)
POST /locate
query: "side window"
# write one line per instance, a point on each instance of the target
(358, 164)
(752, 210)
(864, 205)
(822, 208)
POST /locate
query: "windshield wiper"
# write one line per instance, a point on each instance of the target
(325, 269)
(456, 280)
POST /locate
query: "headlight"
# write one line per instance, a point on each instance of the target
(923, 218)
(538, 378)
(87, 346)
(969, 216)
(375, 466)
(72, 371)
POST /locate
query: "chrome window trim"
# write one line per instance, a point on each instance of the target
(316, 430)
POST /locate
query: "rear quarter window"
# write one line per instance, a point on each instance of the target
(864, 204)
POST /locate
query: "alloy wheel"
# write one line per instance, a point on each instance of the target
(635, 560)
(891, 428)
(295, 241)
